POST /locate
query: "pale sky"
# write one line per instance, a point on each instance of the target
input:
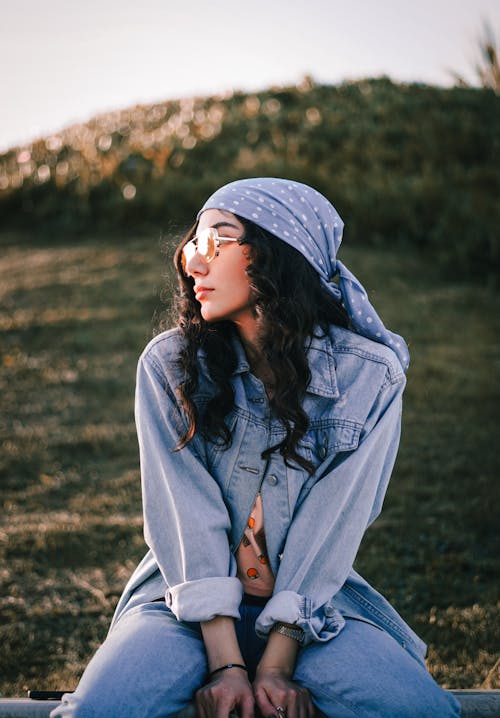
(63, 61)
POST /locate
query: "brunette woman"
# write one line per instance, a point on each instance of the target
(268, 425)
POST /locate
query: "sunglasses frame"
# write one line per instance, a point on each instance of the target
(214, 241)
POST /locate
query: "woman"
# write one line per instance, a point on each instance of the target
(268, 426)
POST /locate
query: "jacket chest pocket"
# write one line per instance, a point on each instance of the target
(321, 445)
(326, 439)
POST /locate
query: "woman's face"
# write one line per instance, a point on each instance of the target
(222, 286)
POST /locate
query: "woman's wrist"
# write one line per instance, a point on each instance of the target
(280, 655)
(221, 643)
(227, 667)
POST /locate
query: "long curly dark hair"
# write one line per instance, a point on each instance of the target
(291, 305)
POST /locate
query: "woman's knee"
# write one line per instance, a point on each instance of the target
(150, 665)
(364, 672)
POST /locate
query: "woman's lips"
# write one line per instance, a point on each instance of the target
(201, 292)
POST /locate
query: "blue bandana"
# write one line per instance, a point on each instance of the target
(307, 221)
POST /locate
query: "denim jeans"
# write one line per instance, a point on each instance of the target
(151, 665)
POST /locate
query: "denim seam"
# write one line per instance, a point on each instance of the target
(394, 372)
(383, 388)
(379, 614)
(305, 608)
(170, 394)
(148, 358)
(335, 422)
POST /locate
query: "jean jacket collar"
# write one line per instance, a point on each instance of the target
(321, 363)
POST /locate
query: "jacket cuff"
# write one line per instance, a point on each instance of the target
(319, 625)
(205, 598)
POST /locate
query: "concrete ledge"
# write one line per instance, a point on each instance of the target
(475, 704)
(14, 707)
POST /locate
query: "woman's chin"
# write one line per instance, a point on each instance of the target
(209, 316)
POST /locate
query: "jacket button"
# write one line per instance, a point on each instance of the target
(329, 611)
(272, 480)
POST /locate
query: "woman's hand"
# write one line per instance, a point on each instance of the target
(273, 688)
(228, 691)
(229, 688)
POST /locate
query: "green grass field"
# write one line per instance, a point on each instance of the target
(74, 318)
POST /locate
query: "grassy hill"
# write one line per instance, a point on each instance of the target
(404, 164)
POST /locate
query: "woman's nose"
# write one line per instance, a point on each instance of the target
(196, 265)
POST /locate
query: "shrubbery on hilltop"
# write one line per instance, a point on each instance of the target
(402, 163)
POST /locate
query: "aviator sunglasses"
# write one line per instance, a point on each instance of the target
(206, 243)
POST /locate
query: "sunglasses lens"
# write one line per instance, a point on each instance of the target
(188, 252)
(207, 244)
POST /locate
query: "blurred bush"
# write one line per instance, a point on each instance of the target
(403, 164)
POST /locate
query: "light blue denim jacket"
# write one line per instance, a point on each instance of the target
(197, 500)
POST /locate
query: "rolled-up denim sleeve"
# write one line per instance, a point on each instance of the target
(327, 529)
(186, 522)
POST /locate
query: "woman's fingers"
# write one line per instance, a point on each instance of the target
(300, 704)
(283, 699)
(247, 707)
(219, 697)
(266, 705)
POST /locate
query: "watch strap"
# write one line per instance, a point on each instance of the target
(286, 629)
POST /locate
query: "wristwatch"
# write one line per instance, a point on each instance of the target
(290, 631)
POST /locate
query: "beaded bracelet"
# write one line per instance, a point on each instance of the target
(228, 665)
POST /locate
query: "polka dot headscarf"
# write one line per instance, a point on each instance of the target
(307, 221)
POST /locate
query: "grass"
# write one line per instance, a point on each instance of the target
(74, 317)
